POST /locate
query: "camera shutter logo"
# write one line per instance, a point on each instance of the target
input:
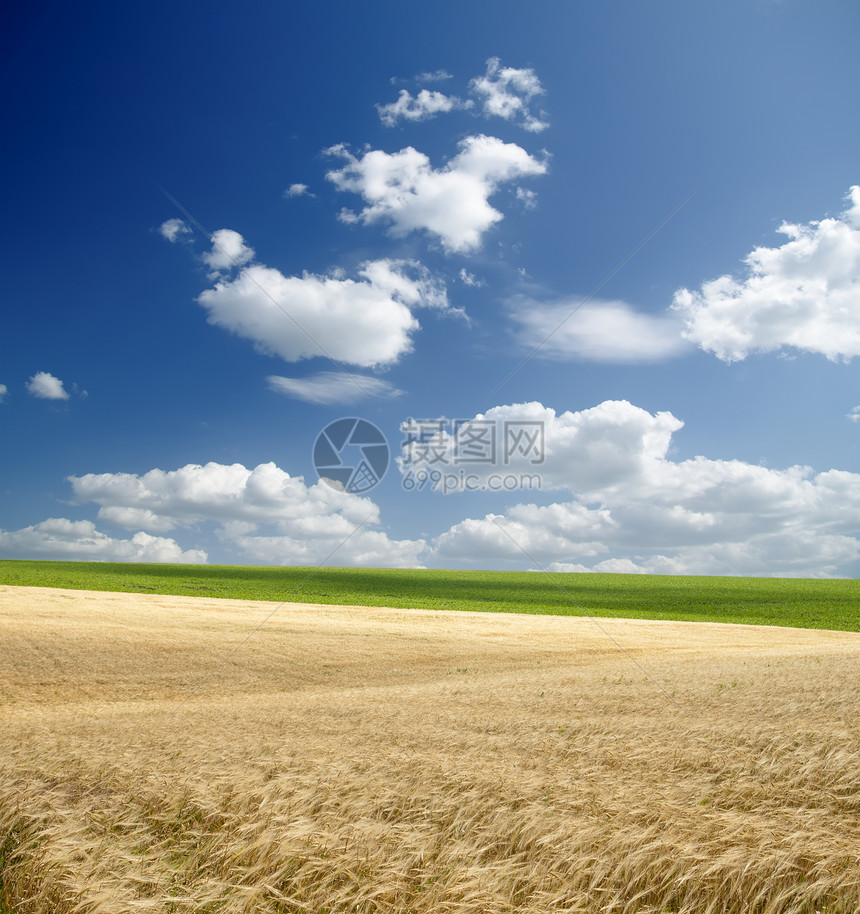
(351, 454)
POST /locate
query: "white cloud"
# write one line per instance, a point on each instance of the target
(45, 386)
(607, 566)
(63, 539)
(434, 76)
(362, 322)
(598, 331)
(508, 92)
(421, 107)
(469, 279)
(218, 492)
(452, 203)
(173, 230)
(328, 387)
(528, 198)
(588, 452)
(853, 414)
(298, 190)
(636, 509)
(526, 531)
(369, 548)
(3, 391)
(228, 251)
(804, 294)
(262, 514)
(407, 281)
(131, 518)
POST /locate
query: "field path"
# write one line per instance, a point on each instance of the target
(370, 759)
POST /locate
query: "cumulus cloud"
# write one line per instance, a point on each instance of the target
(403, 190)
(262, 514)
(3, 391)
(598, 331)
(45, 386)
(854, 414)
(588, 452)
(63, 539)
(298, 190)
(528, 532)
(507, 92)
(328, 387)
(629, 504)
(365, 322)
(421, 107)
(215, 491)
(174, 229)
(228, 252)
(804, 294)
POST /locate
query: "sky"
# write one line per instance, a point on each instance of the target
(565, 286)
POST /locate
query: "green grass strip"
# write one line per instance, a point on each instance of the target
(796, 602)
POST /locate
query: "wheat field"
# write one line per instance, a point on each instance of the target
(153, 759)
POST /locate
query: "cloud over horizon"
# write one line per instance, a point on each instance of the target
(626, 506)
(630, 502)
(63, 539)
(264, 513)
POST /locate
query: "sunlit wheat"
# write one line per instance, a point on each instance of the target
(373, 760)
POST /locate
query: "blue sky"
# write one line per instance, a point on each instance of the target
(634, 227)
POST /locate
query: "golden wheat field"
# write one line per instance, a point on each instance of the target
(386, 760)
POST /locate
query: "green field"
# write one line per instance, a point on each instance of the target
(797, 602)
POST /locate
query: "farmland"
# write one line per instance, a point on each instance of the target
(176, 753)
(800, 603)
